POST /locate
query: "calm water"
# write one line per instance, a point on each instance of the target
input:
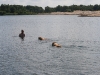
(79, 37)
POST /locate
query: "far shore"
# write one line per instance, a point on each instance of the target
(80, 13)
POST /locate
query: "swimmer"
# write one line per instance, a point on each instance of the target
(56, 44)
(22, 35)
(41, 38)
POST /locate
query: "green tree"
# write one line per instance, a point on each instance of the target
(47, 9)
(58, 8)
(96, 7)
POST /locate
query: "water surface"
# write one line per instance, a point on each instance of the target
(79, 37)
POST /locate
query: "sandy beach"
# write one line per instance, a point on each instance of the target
(80, 13)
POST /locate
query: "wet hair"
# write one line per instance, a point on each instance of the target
(53, 43)
(40, 38)
(22, 31)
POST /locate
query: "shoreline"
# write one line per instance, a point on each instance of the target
(80, 13)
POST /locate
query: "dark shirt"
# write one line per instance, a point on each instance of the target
(21, 35)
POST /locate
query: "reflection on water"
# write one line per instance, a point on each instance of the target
(78, 36)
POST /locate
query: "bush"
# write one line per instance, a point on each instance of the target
(2, 13)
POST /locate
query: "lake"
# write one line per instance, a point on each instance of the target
(78, 36)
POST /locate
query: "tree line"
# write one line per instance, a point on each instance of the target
(6, 9)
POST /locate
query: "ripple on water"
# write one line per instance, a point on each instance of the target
(79, 38)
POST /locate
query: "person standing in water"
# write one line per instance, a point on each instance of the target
(22, 35)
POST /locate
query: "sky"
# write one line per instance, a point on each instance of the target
(50, 3)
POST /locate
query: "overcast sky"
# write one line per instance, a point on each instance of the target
(50, 3)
